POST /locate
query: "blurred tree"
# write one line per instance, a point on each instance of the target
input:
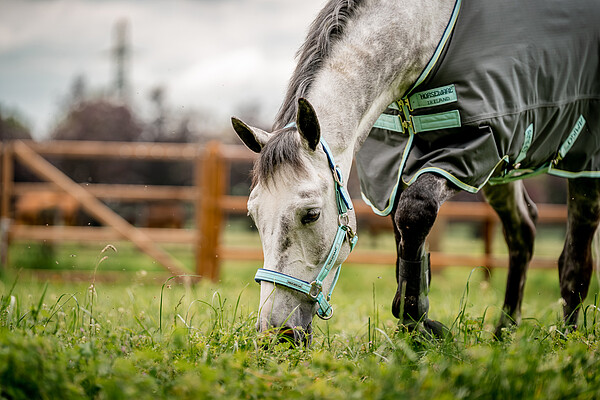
(103, 121)
(251, 113)
(166, 127)
(12, 128)
(98, 120)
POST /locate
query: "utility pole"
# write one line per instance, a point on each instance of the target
(121, 53)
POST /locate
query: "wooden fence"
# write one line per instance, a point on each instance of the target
(209, 198)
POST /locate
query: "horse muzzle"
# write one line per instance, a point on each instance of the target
(287, 333)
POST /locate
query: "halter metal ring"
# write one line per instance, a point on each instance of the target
(344, 220)
(326, 317)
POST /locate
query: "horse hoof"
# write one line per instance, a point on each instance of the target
(502, 332)
(430, 329)
(436, 329)
(411, 308)
(506, 325)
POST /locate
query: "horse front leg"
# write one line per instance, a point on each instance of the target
(575, 265)
(414, 214)
(518, 215)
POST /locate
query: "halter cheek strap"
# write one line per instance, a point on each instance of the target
(314, 289)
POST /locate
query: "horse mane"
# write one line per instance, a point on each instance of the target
(328, 26)
(284, 145)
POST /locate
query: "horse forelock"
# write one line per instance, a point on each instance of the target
(328, 26)
(283, 149)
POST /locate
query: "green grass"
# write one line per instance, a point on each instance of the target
(163, 340)
(83, 257)
(155, 338)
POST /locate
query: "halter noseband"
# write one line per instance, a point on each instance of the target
(314, 289)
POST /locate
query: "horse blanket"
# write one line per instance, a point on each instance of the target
(512, 90)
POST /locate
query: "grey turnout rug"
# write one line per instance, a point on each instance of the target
(512, 90)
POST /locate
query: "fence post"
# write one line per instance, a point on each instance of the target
(5, 218)
(210, 187)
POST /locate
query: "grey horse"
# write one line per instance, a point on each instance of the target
(430, 97)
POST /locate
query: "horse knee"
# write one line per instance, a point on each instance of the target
(416, 214)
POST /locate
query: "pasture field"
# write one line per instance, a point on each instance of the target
(151, 337)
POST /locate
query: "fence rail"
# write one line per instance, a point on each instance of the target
(208, 197)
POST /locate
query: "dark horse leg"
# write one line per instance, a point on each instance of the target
(575, 264)
(414, 213)
(518, 215)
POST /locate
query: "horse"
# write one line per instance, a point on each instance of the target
(374, 75)
(46, 208)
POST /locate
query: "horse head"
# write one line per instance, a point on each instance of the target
(304, 218)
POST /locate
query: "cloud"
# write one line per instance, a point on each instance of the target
(238, 77)
(210, 54)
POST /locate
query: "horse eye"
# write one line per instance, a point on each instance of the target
(311, 216)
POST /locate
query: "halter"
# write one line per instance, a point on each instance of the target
(314, 289)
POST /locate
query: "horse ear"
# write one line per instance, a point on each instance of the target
(308, 124)
(253, 138)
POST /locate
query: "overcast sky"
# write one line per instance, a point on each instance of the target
(214, 55)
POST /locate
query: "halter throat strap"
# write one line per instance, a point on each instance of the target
(314, 289)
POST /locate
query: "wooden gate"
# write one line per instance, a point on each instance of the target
(209, 175)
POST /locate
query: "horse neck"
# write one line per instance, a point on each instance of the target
(376, 61)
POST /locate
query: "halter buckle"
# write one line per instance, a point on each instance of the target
(315, 289)
(337, 176)
(344, 220)
(408, 124)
